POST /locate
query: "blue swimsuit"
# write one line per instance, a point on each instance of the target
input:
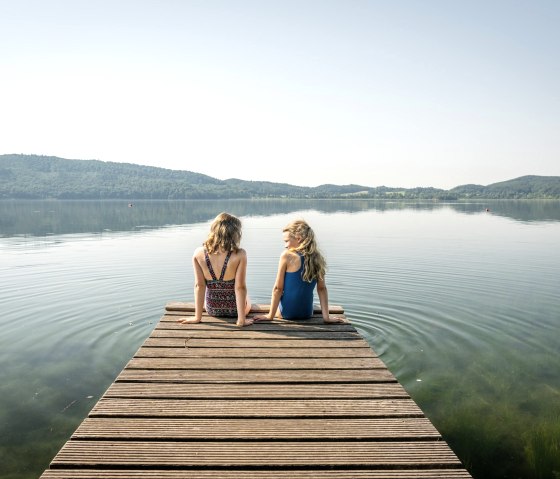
(297, 299)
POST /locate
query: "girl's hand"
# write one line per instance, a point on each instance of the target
(246, 322)
(189, 321)
(334, 320)
(261, 317)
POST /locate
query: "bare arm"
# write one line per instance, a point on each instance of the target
(241, 290)
(277, 290)
(324, 302)
(199, 292)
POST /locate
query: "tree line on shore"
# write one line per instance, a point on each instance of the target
(48, 177)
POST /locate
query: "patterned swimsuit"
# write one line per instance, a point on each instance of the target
(220, 294)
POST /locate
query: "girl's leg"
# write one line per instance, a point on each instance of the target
(248, 305)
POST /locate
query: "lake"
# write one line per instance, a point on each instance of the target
(459, 299)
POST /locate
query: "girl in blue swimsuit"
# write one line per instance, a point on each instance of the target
(301, 269)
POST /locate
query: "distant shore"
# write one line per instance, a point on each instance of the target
(46, 177)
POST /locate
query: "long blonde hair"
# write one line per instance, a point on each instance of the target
(314, 264)
(225, 234)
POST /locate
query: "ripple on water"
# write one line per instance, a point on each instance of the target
(444, 303)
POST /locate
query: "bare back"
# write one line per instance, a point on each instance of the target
(217, 260)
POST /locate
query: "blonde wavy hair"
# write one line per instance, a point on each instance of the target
(314, 264)
(225, 234)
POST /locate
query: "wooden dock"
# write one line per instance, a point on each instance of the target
(280, 400)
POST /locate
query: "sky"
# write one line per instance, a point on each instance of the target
(400, 93)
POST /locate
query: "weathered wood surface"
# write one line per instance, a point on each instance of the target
(250, 454)
(302, 408)
(410, 429)
(262, 392)
(226, 353)
(272, 401)
(254, 363)
(257, 474)
(231, 342)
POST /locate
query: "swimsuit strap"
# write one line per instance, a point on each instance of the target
(209, 265)
(302, 261)
(225, 266)
(207, 258)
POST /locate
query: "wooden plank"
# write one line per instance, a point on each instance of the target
(257, 474)
(187, 352)
(365, 408)
(272, 326)
(228, 342)
(257, 376)
(180, 429)
(248, 333)
(255, 363)
(269, 454)
(307, 325)
(316, 319)
(255, 308)
(256, 391)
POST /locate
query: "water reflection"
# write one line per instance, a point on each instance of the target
(42, 218)
(528, 211)
(461, 303)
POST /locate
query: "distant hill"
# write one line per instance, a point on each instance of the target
(46, 177)
(523, 187)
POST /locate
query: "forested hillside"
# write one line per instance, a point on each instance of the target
(29, 176)
(524, 187)
(42, 177)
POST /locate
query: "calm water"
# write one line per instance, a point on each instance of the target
(461, 303)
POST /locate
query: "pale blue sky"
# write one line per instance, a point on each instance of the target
(397, 93)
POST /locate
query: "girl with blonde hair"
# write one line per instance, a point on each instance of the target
(226, 294)
(301, 269)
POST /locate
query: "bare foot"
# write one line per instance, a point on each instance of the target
(260, 317)
(188, 321)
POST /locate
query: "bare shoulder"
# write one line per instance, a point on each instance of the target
(290, 259)
(237, 258)
(199, 254)
(285, 256)
(240, 254)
